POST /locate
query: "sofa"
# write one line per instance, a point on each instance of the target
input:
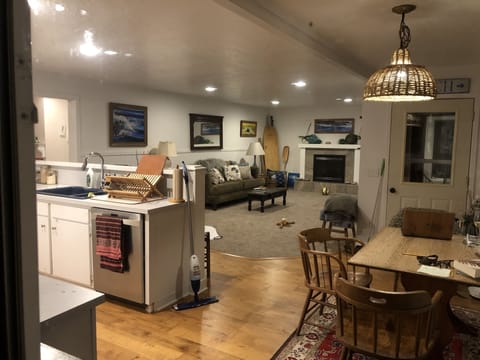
(227, 181)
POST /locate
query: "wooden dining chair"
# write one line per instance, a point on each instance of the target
(385, 325)
(323, 256)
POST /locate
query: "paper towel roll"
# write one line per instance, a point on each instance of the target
(177, 185)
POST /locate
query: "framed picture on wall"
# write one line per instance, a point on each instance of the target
(334, 126)
(248, 128)
(128, 125)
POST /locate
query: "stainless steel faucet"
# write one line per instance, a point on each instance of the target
(102, 168)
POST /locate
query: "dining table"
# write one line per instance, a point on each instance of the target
(390, 250)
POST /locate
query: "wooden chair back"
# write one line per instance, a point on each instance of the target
(387, 325)
(343, 248)
(323, 257)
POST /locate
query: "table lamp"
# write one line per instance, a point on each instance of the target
(168, 149)
(255, 149)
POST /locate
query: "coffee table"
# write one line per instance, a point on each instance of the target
(266, 194)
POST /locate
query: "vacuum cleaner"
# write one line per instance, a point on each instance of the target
(194, 263)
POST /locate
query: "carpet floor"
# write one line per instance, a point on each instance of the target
(255, 234)
(318, 342)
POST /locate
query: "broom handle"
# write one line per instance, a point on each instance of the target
(185, 177)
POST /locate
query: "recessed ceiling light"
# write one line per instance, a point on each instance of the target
(348, 100)
(275, 102)
(210, 89)
(34, 6)
(110, 52)
(128, 54)
(59, 7)
(83, 12)
(339, 99)
(88, 48)
(299, 83)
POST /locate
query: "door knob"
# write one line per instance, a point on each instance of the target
(392, 190)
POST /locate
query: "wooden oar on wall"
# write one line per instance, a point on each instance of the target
(285, 155)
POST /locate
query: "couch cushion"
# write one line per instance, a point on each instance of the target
(249, 184)
(232, 173)
(215, 176)
(226, 187)
(213, 163)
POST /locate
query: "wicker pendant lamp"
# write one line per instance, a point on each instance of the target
(401, 80)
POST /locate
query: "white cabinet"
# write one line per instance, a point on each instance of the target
(43, 238)
(70, 237)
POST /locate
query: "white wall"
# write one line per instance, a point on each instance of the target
(375, 146)
(168, 118)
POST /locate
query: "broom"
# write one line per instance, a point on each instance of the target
(194, 263)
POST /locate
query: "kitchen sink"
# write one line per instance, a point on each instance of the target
(74, 192)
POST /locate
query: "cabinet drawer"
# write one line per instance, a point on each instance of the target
(69, 213)
(42, 208)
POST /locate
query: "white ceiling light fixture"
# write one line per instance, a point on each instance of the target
(35, 6)
(210, 89)
(348, 100)
(275, 102)
(83, 12)
(299, 83)
(88, 48)
(110, 52)
(401, 80)
(59, 8)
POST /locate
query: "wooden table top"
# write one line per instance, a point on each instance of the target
(390, 250)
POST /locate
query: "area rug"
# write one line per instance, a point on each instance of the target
(255, 234)
(318, 342)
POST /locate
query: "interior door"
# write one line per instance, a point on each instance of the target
(429, 155)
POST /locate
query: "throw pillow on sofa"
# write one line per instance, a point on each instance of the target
(276, 178)
(232, 173)
(216, 176)
(245, 172)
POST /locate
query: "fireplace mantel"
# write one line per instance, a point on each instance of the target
(349, 147)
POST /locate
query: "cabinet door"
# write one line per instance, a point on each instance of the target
(71, 251)
(43, 239)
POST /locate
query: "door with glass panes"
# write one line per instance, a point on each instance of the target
(429, 155)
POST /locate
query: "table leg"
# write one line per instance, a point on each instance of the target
(262, 203)
(273, 200)
(249, 204)
(284, 198)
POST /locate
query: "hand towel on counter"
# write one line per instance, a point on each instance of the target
(111, 243)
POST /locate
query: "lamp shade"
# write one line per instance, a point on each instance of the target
(400, 81)
(255, 148)
(167, 148)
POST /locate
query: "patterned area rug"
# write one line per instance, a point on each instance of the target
(318, 341)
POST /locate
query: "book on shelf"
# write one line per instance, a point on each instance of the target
(468, 267)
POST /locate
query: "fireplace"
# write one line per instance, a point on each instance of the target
(329, 168)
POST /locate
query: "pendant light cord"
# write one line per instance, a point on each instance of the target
(404, 33)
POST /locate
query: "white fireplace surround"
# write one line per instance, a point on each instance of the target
(356, 153)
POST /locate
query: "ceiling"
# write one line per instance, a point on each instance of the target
(251, 50)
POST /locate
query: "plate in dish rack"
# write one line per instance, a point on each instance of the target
(474, 291)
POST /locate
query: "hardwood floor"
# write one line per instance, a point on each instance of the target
(260, 303)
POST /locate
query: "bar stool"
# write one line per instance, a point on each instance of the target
(339, 214)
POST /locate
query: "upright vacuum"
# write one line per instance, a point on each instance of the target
(194, 263)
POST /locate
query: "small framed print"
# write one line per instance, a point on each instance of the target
(248, 128)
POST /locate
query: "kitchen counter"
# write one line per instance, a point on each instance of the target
(67, 316)
(102, 201)
(65, 237)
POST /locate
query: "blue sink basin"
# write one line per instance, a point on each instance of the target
(74, 192)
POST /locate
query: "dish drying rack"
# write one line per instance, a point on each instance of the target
(133, 186)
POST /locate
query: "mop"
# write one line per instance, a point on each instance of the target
(194, 263)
